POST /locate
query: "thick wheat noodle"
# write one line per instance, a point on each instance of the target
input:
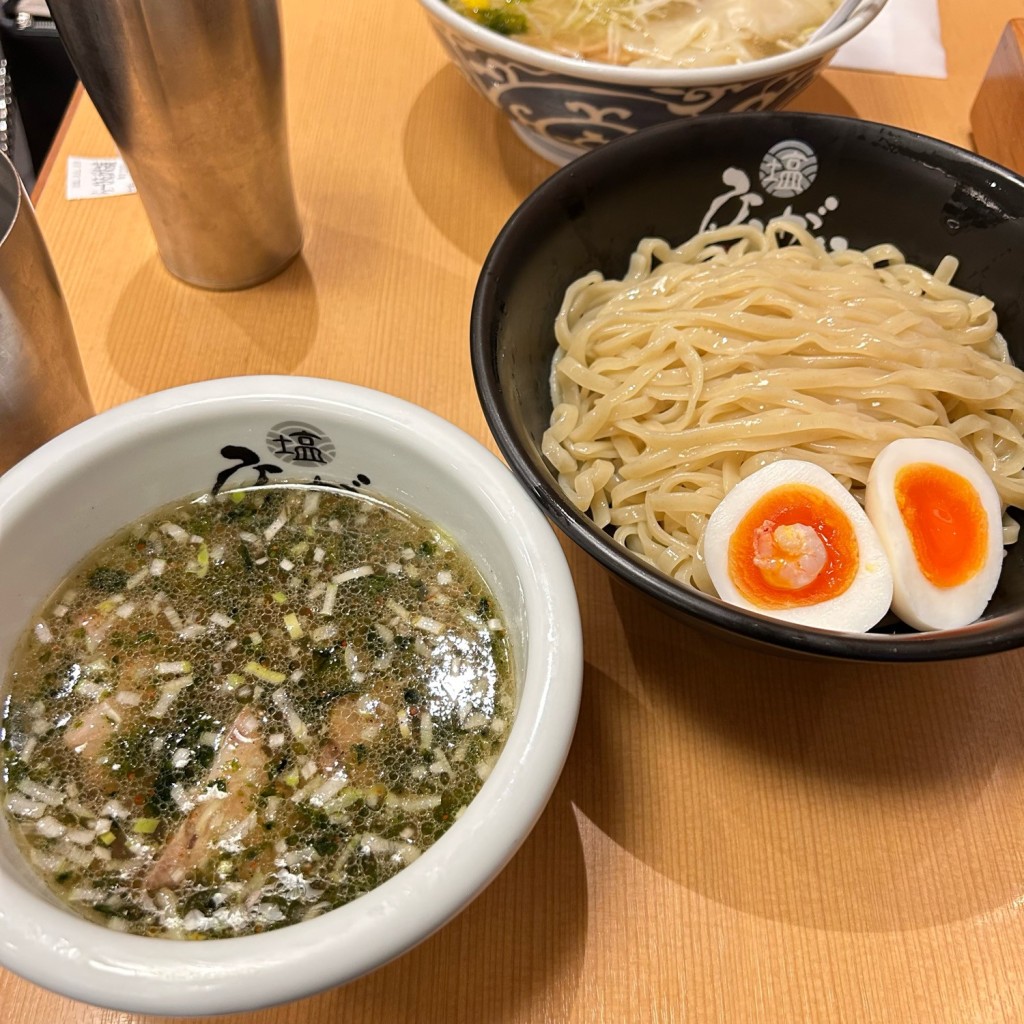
(744, 346)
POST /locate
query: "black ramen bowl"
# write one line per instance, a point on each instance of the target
(847, 179)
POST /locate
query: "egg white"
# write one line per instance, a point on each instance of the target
(869, 595)
(916, 600)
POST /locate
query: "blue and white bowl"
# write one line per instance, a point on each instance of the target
(562, 107)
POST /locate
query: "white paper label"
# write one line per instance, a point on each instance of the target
(92, 179)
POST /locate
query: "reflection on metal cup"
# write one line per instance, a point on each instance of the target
(192, 92)
(42, 383)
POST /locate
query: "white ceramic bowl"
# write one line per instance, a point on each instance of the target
(562, 107)
(79, 488)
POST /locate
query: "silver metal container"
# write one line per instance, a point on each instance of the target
(42, 384)
(192, 92)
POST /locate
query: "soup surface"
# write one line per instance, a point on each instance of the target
(655, 33)
(247, 710)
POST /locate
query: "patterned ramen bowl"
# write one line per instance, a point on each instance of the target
(562, 107)
(844, 185)
(245, 433)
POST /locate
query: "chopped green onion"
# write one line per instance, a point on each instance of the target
(202, 561)
(173, 668)
(268, 675)
(145, 825)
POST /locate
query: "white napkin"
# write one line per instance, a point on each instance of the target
(906, 38)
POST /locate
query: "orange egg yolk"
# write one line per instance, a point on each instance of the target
(945, 520)
(794, 547)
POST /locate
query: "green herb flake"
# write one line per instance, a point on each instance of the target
(504, 22)
(107, 580)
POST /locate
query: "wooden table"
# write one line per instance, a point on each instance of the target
(735, 837)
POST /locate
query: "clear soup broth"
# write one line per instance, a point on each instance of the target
(247, 710)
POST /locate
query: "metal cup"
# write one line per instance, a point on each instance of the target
(42, 383)
(192, 92)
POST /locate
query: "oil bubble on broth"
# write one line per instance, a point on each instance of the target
(246, 710)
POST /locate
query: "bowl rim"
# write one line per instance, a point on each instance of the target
(83, 960)
(730, 74)
(974, 640)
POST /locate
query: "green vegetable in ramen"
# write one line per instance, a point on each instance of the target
(250, 709)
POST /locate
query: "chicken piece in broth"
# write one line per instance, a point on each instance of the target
(225, 811)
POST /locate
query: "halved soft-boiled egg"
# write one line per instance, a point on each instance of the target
(790, 541)
(939, 518)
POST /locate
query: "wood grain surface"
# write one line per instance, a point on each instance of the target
(736, 837)
(998, 109)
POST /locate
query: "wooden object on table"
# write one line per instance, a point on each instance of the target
(997, 117)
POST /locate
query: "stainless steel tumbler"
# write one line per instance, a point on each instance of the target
(42, 384)
(193, 93)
